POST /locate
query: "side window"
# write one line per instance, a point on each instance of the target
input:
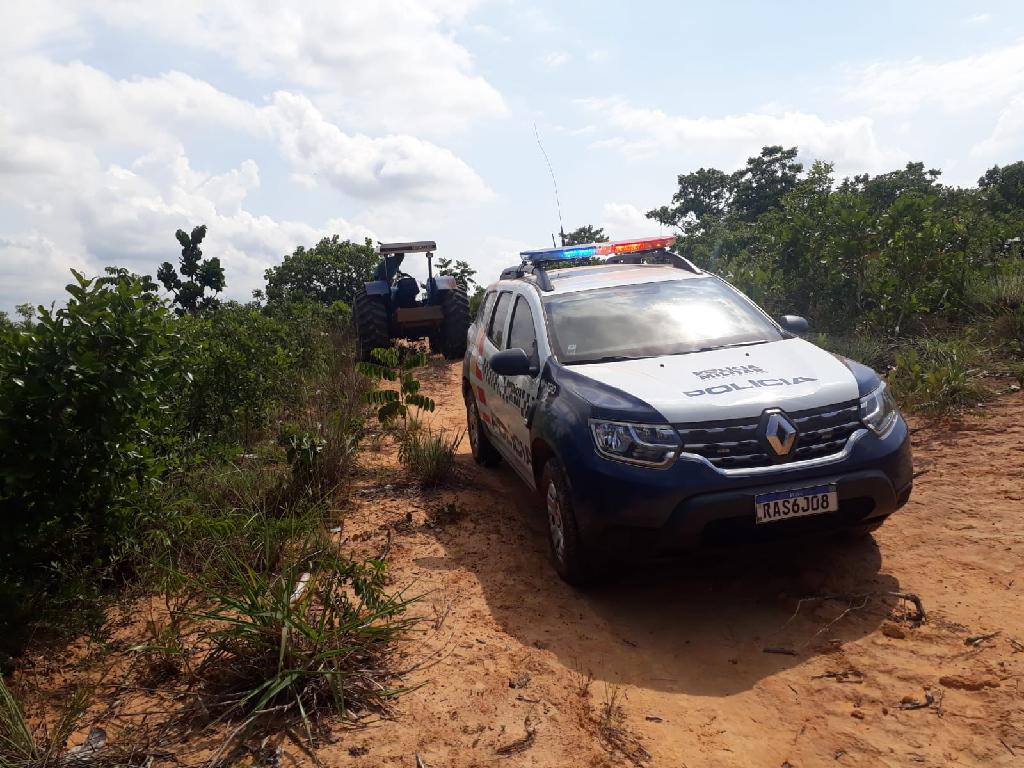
(485, 308)
(522, 334)
(496, 332)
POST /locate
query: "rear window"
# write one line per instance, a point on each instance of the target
(522, 334)
(652, 319)
(496, 333)
(485, 307)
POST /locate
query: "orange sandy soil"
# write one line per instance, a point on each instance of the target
(676, 650)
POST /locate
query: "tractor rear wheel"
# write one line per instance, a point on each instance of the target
(455, 326)
(370, 316)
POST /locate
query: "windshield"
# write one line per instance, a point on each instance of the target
(650, 319)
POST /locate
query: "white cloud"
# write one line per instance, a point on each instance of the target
(34, 269)
(556, 59)
(387, 64)
(55, 116)
(99, 164)
(980, 19)
(851, 144)
(369, 167)
(622, 221)
(1008, 134)
(957, 85)
(494, 255)
(126, 216)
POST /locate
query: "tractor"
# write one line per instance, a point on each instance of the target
(388, 308)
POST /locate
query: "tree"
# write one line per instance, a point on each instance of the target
(27, 313)
(761, 184)
(1003, 188)
(201, 274)
(332, 270)
(702, 198)
(586, 234)
(460, 270)
(885, 189)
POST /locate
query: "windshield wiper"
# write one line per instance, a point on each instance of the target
(605, 359)
(737, 344)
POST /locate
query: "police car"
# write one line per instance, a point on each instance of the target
(654, 407)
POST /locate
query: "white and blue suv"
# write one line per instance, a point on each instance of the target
(654, 407)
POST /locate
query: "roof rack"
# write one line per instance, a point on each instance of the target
(522, 270)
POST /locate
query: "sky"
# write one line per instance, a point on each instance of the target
(277, 123)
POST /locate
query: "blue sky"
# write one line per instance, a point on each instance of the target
(276, 123)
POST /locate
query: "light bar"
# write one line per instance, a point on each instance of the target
(597, 249)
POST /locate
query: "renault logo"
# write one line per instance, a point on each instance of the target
(780, 433)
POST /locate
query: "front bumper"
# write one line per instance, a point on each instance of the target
(622, 507)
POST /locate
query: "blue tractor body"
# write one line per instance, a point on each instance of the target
(390, 306)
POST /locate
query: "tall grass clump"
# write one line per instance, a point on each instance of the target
(938, 375)
(429, 456)
(22, 746)
(309, 638)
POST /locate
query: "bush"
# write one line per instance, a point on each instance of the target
(938, 376)
(308, 639)
(82, 411)
(429, 456)
(237, 362)
(872, 351)
(1001, 293)
(397, 365)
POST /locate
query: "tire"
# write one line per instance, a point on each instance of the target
(484, 452)
(455, 326)
(370, 316)
(568, 552)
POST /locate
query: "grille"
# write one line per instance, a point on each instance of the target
(739, 443)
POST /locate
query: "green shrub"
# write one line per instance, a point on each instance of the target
(237, 362)
(429, 456)
(308, 639)
(82, 418)
(397, 365)
(938, 376)
(872, 351)
(1001, 293)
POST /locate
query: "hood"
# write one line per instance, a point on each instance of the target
(735, 383)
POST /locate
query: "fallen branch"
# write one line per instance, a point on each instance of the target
(910, 597)
(977, 640)
(849, 676)
(780, 651)
(520, 745)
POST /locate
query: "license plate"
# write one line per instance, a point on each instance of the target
(799, 502)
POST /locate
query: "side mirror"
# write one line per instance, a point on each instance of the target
(512, 362)
(794, 324)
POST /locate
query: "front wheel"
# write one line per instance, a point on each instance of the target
(568, 553)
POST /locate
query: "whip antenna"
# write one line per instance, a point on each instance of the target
(554, 182)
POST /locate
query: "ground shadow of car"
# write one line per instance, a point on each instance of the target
(699, 624)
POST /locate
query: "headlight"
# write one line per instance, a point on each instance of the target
(654, 445)
(878, 411)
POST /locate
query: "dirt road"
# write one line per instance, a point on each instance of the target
(677, 650)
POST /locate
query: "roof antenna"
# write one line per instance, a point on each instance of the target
(554, 183)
